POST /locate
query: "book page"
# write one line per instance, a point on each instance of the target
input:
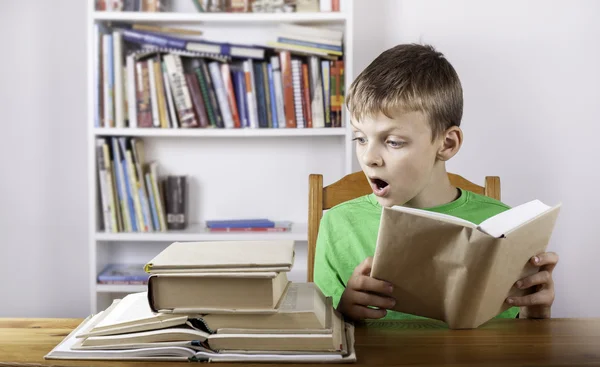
(502, 223)
(434, 215)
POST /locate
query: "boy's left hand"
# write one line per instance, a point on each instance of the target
(538, 304)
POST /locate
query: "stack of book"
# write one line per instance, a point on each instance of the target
(217, 302)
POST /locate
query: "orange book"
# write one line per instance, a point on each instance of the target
(226, 74)
(306, 96)
(288, 88)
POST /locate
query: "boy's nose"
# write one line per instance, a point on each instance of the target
(372, 158)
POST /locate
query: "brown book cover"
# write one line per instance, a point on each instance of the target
(306, 96)
(456, 271)
(216, 292)
(288, 88)
(197, 100)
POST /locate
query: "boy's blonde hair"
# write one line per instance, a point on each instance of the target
(406, 78)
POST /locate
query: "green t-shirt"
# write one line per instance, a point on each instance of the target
(348, 235)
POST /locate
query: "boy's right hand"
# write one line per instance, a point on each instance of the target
(363, 291)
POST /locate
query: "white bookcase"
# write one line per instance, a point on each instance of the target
(236, 173)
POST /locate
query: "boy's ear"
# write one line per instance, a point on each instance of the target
(451, 142)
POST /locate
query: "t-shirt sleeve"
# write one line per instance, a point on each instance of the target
(326, 272)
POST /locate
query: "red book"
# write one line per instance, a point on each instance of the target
(306, 96)
(288, 88)
(226, 74)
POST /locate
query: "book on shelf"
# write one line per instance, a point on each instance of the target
(151, 79)
(248, 225)
(453, 270)
(133, 196)
(123, 274)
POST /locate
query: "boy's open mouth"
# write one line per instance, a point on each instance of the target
(379, 186)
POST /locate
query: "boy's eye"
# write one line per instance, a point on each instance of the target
(394, 143)
(359, 140)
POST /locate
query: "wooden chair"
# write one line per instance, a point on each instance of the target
(354, 185)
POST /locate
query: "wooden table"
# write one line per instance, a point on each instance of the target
(555, 342)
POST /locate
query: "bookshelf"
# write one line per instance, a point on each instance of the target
(232, 173)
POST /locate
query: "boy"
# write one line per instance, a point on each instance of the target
(406, 108)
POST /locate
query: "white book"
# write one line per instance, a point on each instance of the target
(316, 92)
(297, 85)
(131, 93)
(278, 84)
(169, 96)
(250, 94)
(153, 94)
(217, 79)
(107, 63)
(118, 83)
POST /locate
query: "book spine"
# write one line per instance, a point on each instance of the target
(288, 88)
(144, 110)
(272, 97)
(205, 96)
(153, 210)
(169, 96)
(101, 164)
(118, 83)
(176, 196)
(215, 74)
(211, 94)
(114, 227)
(297, 87)
(153, 93)
(108, 80)
(260, 96)
(160, 208)
(121, 190)
(278, 92)
(326, 92)
(316, 93)
(306, 96)
(131, 93)
(197, 100)
(180, 91)
(128, 185)
(136, 148)
(240, 94)
(267, 93)
(226, 76)
(163, 112)
(250, 94)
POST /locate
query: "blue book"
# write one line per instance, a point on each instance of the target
(240, 95)
(241, 223)
(123, 274)
(219, 48)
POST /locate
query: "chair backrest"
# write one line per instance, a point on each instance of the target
(354, 185)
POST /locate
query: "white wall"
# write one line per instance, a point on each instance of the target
(530, 72)
(43, 206)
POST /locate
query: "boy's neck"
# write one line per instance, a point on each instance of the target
(439, 192)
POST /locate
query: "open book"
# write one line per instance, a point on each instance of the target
(172, 344)
(446, 268)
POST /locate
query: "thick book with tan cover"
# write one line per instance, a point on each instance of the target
(224, 256)
(450, 269)
(186, 293)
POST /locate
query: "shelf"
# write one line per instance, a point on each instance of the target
(120, 288)
(196, 232)
(219, 133)
(228, 18)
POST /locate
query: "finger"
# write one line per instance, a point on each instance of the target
(543, 297)
(546, 259)
(367, 284)
(361, 312)
(364, 268)
(368, 299)
(542, 277)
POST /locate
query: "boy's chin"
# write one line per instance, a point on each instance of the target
(386, 201)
